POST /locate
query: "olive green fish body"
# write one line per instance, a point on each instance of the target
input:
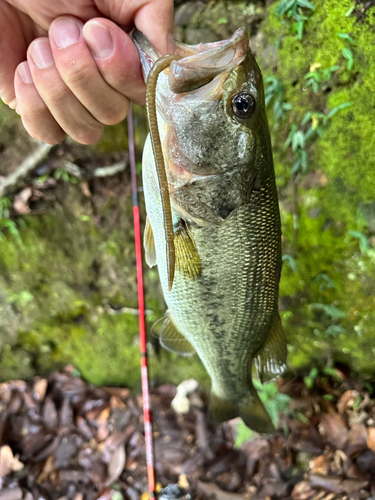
(223, 196)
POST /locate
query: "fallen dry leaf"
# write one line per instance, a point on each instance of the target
(116, 465)
(39, 389)
(356, 440)
(346, 400)
(371, 438)
(20, 202)
(213, 491)
(319, 465)
(8, 462)
(333, 428)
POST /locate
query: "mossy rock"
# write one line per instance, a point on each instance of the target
(72, 269)
(327, 288)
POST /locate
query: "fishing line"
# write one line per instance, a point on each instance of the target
(142, 324)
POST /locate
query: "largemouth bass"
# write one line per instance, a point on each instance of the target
(227, 238)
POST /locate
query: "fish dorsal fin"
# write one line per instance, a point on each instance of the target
(172, 340)
(149, 244)
(187, 259)
(271, 359)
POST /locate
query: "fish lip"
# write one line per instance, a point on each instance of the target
(204, 56)
(147, 52)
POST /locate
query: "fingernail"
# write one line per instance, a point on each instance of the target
(41, 54)
(24, 72)
(65, 32)
(98, 38)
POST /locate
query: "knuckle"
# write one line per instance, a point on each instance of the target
(113, 116)
(75, 74)
(85, 135)
(53, 95)
(52, 137)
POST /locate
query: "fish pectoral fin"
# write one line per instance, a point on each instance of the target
(250, 409)
(172, 340)
(149, 245)
(271, 359)
(188, 262)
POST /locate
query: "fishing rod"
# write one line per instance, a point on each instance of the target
(142, 324)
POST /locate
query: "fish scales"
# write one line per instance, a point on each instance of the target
(229, 313)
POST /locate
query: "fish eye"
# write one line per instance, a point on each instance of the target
(243, 105)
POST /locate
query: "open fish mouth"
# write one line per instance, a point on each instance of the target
(200, 64)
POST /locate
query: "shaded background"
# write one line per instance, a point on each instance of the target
(67, 262)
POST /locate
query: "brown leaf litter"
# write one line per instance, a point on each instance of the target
(61, 438)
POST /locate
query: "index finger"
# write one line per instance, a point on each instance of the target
(155, 20)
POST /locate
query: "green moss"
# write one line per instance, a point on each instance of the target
(328, 273)
(61, 279)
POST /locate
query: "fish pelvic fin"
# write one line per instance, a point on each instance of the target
(250, 409)
(271, 359)
(149, 245)
(172, 340)
(187, 259)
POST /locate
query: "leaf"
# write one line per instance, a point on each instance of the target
(340, 107)
(243, 434)
(363, 241)
(350, 10)
(331, 310)
(291, 261)
(347, 53)
(345, 36)
(298, 140)
(296, 166)
(284, 6)
(306, 4)
(8, 462)
(306, 118)
(304, 162)
(293, 130)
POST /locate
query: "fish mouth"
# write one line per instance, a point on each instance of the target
(200, 64)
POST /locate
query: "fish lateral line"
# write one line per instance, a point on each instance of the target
(160, 65)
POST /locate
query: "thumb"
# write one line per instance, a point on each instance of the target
(155, 20)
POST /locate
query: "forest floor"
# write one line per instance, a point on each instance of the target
(62, 438)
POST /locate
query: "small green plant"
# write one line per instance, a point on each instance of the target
(299, 10)
(364, 245)
(274, 402)
(244, 434)
(289, 259)
(318, 78)
(275, 92)
(63, 175)
(324, 281)
(5, 222)
(311, 127)
(310, 379)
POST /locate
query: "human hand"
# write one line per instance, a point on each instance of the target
(82, 69)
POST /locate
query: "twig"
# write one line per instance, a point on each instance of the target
(124, 310)
(29, 164)
(111, 169)
(81, 173)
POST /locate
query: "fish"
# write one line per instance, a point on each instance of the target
(223, 301)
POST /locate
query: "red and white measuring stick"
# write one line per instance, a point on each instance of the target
(142, 323)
